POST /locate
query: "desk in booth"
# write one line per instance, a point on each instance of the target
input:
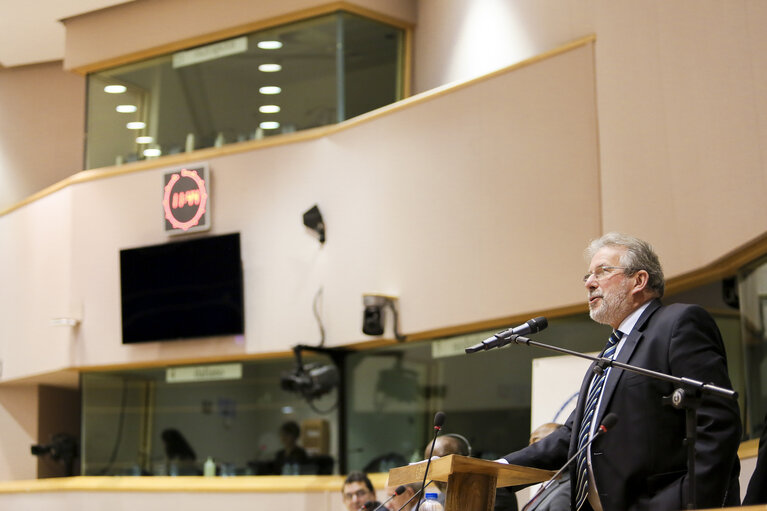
(471, 482)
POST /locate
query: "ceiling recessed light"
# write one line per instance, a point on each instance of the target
(126, 109)
(136, 125)
(115, 89)
(152, 152)
(269, 109)
(269, 45)
(269, 125)
(269, 68)
(270, 89)
(144, 140)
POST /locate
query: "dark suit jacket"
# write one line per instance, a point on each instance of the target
(641, 462)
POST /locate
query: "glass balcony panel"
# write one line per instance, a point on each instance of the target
(293, 77)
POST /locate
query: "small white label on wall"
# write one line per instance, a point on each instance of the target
(203, 373)
(210, 52)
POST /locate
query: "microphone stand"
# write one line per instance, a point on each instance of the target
(687, 396)
(438, 421)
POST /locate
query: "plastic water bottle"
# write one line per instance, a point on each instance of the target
(209, 468)
(431, 503)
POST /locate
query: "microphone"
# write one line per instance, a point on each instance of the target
(399, 491)
(607, 423)
(439, 421)
(504, 338)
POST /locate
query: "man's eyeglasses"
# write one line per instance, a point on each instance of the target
(359, 494)
(602, 272)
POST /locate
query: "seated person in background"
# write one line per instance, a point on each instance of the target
(505, 498)
(289, 459)
(179, 455)
(543, 431)
(400, 500)
(358, 492)
(557, 495)
(445, 445)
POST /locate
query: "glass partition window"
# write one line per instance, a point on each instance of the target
(169, 421)
(394, 393)
(143, 422)
(752, 292)
(293, 77)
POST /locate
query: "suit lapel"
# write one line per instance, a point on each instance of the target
(624, 355)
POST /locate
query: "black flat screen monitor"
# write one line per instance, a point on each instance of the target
(182, 290)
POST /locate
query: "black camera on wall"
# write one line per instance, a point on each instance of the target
(62, 448)
(374, 315)
(373, 318)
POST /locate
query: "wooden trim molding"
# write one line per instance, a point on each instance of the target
(193, 484)
(242, 357)
(407, 72)
(726, 266)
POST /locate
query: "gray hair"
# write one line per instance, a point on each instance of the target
(639, 256)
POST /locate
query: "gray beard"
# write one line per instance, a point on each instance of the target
(611, 310)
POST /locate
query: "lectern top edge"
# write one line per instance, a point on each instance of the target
(442, 468)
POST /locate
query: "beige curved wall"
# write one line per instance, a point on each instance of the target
(682, 106)
(461, 39)
(460, 207)
(42, 122)
(682, 110)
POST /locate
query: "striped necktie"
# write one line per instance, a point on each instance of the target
(597, 384)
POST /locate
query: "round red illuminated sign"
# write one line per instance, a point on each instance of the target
(185, 199)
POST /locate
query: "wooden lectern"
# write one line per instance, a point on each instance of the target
(471, 482)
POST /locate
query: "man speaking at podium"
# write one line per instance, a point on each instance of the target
(641, 463)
